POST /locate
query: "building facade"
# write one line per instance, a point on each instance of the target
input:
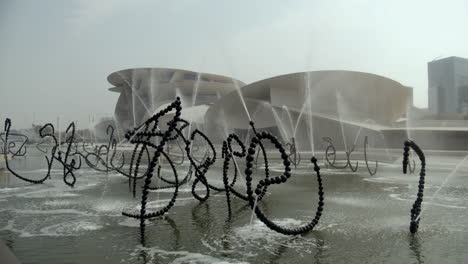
(144, 91)
(448, 85)
(307, 106)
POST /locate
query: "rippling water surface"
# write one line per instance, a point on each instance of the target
(365, 220)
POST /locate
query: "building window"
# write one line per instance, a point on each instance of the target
(441, 99)
(463, 99)
(190, 76)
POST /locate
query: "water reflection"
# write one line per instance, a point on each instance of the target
(226, 242)
(201, 219)
(152, 253)
(144, 256)
(176, 231)
(278, 254)
(320, 248)
(195, 232)
(415, 246)
(4, 178)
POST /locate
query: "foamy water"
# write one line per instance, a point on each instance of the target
(366, 217)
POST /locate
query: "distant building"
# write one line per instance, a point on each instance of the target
(145, 91)
(344, 105)
(307, 106)
(448, 85)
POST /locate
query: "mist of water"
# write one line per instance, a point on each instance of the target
(241, 97)
(442, 185)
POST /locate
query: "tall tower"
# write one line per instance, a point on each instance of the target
(448, 85)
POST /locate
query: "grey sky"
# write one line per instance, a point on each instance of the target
(54, 50)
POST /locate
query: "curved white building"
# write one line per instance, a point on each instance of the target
(143, 91)
(343, 105)
(316, 104)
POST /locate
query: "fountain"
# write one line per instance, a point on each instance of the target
(19, 139)
(416, 210)
(164, 149)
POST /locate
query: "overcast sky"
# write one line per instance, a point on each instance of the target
(55, 55)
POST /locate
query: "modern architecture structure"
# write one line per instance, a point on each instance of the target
(448, 85)
(144, 91)
(307, 106)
